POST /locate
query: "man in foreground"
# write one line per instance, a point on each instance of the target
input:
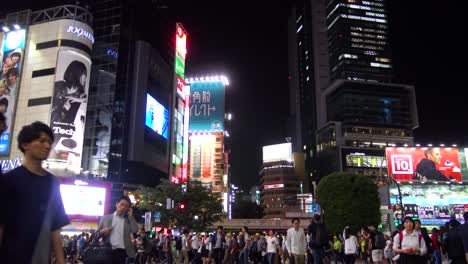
(35, 208)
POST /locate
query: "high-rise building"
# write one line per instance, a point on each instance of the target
(45, 77)
(279, 185)
(131, 99)
(209, 157)
(340, 56)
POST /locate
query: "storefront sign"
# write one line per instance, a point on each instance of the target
(8, 165)
(80, 32)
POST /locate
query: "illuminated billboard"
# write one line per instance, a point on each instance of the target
(13, 53)
(432, 204)
(69, 104)
(426, 164)
(85, 200)
(278, 152)
(207, 106)
(157, 116)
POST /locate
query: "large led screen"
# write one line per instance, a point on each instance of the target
(425, 164)
(432, 204)
(11, 62)
(157, 116)
(83, 200)
(207, 106)
(278, 152)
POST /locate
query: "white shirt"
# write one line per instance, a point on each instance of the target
(195, 242)
(410, 241)
(351, 245)
(296, 241)
(117, 233)
(272, 244)
(184, 242)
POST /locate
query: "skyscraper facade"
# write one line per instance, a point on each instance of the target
(358, 109)
(132, 79)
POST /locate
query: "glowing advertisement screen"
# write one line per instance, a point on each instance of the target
(157, 116)
(69, 104)
(426, 164)
(13, 53)
(432, 204)
(83, 200)
(207, 106)
(278, 152)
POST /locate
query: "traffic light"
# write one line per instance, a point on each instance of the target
(396, 222)
(182, 206)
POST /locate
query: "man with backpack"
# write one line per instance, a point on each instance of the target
(319, 238)
(378, 243)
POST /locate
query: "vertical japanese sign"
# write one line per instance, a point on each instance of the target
(180, 118)
(207, 106)
(13, 51)
(186, 134)
(68, 114)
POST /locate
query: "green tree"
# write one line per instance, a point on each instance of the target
(348, 200)
(200, 209)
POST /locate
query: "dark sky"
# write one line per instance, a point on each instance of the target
(247, 41)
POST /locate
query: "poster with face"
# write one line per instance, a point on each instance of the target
(68, 113)
(11, 69)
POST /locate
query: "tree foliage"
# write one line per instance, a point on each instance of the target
(348, 200)
(201, 206)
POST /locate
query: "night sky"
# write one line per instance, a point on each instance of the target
(247, 41)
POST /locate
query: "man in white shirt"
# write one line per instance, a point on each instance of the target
(296, 242)
(272, 246)
(184, 250)
(117, 227)
(196, 244)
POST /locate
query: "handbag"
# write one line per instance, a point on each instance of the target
(97, 252)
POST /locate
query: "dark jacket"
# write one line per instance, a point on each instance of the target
(454, 244)
(427, 168)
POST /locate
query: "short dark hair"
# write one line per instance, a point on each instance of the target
(4, 102)
(246, 228)
(408, 219)
(316, 217)
(373, 225)
(15, 54)
(294, 219)
(220, 227)
(126, 198)
(2, 118)
(73, 74)
(417, 220)
(12, 71)
(32, 132)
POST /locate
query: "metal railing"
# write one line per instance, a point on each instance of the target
(61, 12)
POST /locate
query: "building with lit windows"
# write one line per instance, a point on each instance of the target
(341, 67)
(208, 152)
(282, 192)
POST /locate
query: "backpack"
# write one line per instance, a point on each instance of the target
(178, 243)
(321, 236)
(242, 242)
(380, 242)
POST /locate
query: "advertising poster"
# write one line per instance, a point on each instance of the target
(207, 106)
(424, 164)
(201, 157)
(432, 204)
(13, 53)
(69, 109)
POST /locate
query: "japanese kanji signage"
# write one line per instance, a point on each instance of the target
(207, 106)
